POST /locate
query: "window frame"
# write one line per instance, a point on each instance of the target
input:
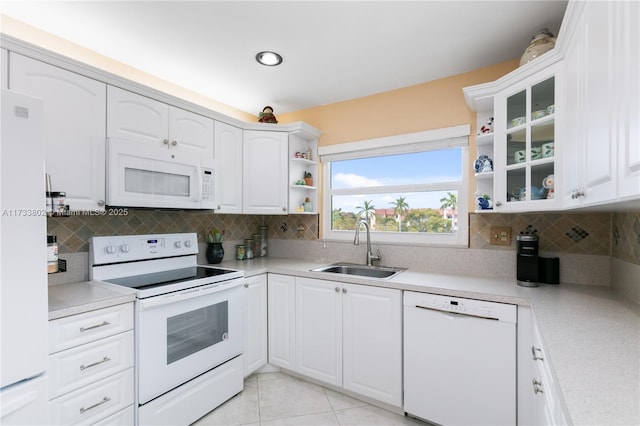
(452, 137)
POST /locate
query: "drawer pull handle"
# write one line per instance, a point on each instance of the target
(105, 359)
(535, 356)
(83, 329)
(97, 404)
(537, 386)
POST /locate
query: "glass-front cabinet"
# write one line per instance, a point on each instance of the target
(526, 144)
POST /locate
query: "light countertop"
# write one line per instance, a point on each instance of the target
(591, 333)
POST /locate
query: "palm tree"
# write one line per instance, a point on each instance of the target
(367, 210)
(449, 202)
(400, 208)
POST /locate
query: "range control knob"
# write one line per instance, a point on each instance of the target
(187, 243)
(178, 244)
(125, 248)
(111, 249)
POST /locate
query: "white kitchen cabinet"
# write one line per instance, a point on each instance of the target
(265, 172)
(603, 161)
(350, 336)
(227, 154)
(74, 115)
(137, 118)
(4, 68)
(319, 329)
(372, 337)
(526, 146)
(255, 335)
(91, 367)
(281, 324)
(540, 400)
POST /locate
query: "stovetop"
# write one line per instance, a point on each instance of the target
(175, 276)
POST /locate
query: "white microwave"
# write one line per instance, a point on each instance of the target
(139, 175)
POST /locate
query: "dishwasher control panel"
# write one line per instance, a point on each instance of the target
(462, 306)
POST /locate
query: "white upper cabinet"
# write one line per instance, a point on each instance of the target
(227, 155)
(137, 118)
(4, 68)
(526, 146)
(74, 113)
(603, 161)
(265, 172)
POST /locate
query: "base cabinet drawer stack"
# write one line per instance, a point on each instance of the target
(91, 367)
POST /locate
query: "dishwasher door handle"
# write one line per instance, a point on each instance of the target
(461, 314)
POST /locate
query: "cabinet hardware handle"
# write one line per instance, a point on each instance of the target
(537, 386)
(284, 209)
(576, 193)
(165, 141)
(218, 206)
(97, 404)
(498, 203)
(101, 203)
(174, 143)
(337, 289)
(83, 329)
(535, 356)
(344, 290)
(246, 286)
(105, 359)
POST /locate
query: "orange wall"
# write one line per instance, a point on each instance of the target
(432, 105)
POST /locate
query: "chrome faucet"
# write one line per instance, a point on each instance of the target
(356, 241)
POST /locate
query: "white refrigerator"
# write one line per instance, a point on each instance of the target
(23, 263)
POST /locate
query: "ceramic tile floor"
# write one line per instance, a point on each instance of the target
(277, 399)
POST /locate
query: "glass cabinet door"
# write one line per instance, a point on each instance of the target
(530, 139)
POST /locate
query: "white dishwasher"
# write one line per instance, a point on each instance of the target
(459, 360)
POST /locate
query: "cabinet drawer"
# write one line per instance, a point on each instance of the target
(121, 418)
(82, 365)
(76, 330)
(94, 402)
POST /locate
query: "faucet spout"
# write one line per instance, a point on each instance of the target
(356, 241)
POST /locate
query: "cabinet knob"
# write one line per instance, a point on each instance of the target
(101, 203)
(337, 289)
(166, 141)
(576, 193)
(498, 203)
(284, 209)
(246, 286)
(174, 143)
(344, 290)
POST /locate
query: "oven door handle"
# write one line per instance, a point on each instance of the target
(180, 296)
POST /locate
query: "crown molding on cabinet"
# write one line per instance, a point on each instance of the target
(22, 47)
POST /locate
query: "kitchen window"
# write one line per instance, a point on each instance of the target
(411, 188)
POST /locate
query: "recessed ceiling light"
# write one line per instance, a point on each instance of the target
(270, 59)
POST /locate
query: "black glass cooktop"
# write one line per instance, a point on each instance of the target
(158, 279)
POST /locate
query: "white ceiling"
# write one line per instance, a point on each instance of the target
(333, 50)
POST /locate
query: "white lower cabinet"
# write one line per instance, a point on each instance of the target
(255, 334)
(91, 367)
(281, 312)
(346, 335)
(540, 401)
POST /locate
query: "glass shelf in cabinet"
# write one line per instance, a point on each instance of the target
(304, 187)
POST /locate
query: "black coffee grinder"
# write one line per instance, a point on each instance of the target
(528, 260)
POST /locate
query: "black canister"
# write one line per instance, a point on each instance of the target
(528, 260)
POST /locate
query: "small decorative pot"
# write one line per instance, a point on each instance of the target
(308, 181)
(214, 252)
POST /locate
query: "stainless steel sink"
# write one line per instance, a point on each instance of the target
(360, 270)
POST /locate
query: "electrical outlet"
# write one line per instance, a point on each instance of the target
(500, 236)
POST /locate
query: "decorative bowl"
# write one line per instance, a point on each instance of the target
(538, 114)
(518, 121)
(551, 109)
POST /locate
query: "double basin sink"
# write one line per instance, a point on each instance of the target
(383, 272)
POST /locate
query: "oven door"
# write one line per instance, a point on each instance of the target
(183, 334)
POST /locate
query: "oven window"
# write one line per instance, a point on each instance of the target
(196, 330)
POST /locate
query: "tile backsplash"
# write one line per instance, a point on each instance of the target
(608, 234)
(73, 232)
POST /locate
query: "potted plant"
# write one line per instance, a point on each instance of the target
(308, 179)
